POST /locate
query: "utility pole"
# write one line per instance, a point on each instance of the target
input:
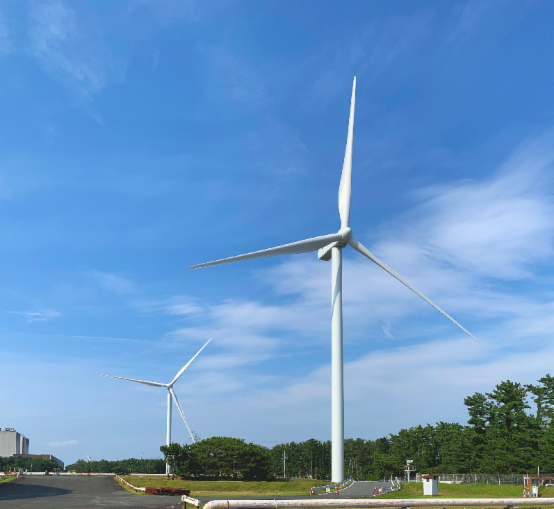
(284, 464)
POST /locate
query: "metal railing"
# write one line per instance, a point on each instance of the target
(376, 502)
(515, 479)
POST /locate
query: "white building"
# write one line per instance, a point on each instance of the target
(12, 442)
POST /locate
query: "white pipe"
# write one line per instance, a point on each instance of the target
(168, 436)
(373, 502)
(337, 391)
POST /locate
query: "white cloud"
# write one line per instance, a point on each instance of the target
(419, 374)
(181, 305)
(5, 41)
(40, 315)
(61, 444)
(502, 232)
(114, 282)
(494, 228)
(69, 47)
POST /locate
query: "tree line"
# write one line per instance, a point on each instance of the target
(502, 436)
(14, 464)
(144, 466)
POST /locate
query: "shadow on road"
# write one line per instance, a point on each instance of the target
(17, 489)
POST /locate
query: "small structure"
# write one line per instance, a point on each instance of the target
(430, 485)
(531, 485)
(409, 468)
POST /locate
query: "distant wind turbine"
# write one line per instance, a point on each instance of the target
(330, 247)
(170, 394)
(90, 457)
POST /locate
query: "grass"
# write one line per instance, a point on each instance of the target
(127, 488)
(8, 478)
(228, 488)
(415, 490)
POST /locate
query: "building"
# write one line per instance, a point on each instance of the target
(12, 442)
(42, 456)
(15, 444)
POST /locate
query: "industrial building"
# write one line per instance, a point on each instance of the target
(42, 456)
(12, 442)
(15, 444)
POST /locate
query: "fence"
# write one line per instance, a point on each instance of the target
(516, 479)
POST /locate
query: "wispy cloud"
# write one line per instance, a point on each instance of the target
(113, 282)
(69, 47)
(236, 78)
(463, 245)
(468, 19)
(181, 305)
(40, 315)
(5, 40)
(61, 444)
(368, 53)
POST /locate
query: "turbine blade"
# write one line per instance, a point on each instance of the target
(302, 246)
(363, 250)
(188, 364)
(155, 384)
(345, 188)
(174, 396)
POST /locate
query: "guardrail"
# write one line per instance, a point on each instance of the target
(129, 484)
(363, 502)
(336, 486)
(396, 485)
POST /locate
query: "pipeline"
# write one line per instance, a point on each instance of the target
(363, 502)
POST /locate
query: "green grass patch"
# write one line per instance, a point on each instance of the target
(415, 490)
(8, 478)
(229, 488)
(127, 488)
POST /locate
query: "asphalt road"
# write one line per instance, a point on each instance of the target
(55, 492)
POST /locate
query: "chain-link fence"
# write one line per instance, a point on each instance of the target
(516, 479)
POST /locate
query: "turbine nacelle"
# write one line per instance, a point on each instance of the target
(325, 252)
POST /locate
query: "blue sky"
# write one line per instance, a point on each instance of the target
(138, 138)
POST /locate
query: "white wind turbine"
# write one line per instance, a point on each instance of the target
(170, 394)
(330, 248)
(90, 457)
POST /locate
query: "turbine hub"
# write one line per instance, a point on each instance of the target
(346, 233)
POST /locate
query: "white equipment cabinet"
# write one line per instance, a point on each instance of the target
(430, 485)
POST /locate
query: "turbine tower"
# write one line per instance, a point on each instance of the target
(170, 394)
(330, 247)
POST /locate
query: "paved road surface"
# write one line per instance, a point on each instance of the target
(56, 492)
(360, 489)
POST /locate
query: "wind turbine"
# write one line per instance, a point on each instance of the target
(330, 247)
(90, 457)
(170, 394)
